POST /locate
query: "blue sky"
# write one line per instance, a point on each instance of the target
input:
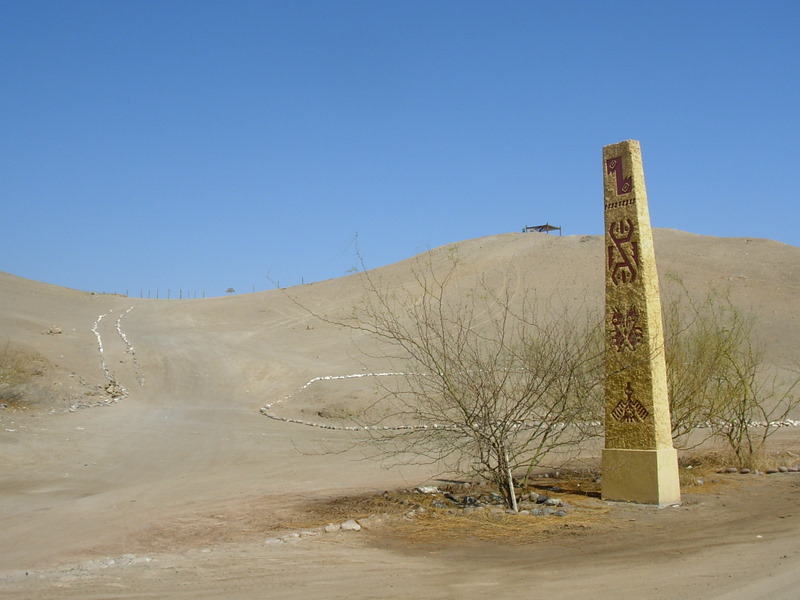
(196, 145)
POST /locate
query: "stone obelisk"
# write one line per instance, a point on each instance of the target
(639, 461)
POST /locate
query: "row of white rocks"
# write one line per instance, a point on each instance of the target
(80, 570)
(103, 364)
(129, 347)
(348, 525)
(114, 390)
(267, 411)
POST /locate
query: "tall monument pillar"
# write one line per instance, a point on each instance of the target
(639, 461)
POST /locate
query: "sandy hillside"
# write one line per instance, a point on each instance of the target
(168, 483)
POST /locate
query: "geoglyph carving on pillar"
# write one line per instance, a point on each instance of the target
(639, 461)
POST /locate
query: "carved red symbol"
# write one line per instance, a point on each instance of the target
(627, 334)
(629, 410)
(623, 254)
(624, 184)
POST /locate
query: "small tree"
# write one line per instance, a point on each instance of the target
(753, 402)
(492, 382)
(698, 335)
(718, 377)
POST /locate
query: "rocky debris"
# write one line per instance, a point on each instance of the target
(530, 503)
(546, 512)
(371, 522)
(120, 561)
(452, 498)
(114, 389)
(54, 330)
(770, 471)
(415, 511)
(308, 533)
(351, 525)
(73, 572)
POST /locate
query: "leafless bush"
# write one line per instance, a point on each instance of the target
(718, 377)
(493, 379)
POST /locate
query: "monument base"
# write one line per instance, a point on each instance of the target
(645, 476)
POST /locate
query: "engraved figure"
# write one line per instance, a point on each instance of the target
(627, 334)
(629, 410)
(625, 266)
(624, 184)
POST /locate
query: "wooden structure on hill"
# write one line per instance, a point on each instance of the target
(546, 228)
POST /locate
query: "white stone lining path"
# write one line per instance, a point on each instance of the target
(113, 387)
(129, 347)
(103, 364)
(267, 411)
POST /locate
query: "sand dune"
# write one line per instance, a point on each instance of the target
(177, 458)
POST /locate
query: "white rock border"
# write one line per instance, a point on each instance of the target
(267, 411)
(109, 376)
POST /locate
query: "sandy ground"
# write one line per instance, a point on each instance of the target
(173, 490)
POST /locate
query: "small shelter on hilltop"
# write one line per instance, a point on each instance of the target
(546, 228)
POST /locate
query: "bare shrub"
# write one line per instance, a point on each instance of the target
(718, 377)
(492, 380)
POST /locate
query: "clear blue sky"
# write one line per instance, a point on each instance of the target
(202, 145)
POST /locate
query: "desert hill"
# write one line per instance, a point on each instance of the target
(268, 339)
(147, 464)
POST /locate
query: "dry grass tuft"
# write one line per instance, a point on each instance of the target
(17, 368)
